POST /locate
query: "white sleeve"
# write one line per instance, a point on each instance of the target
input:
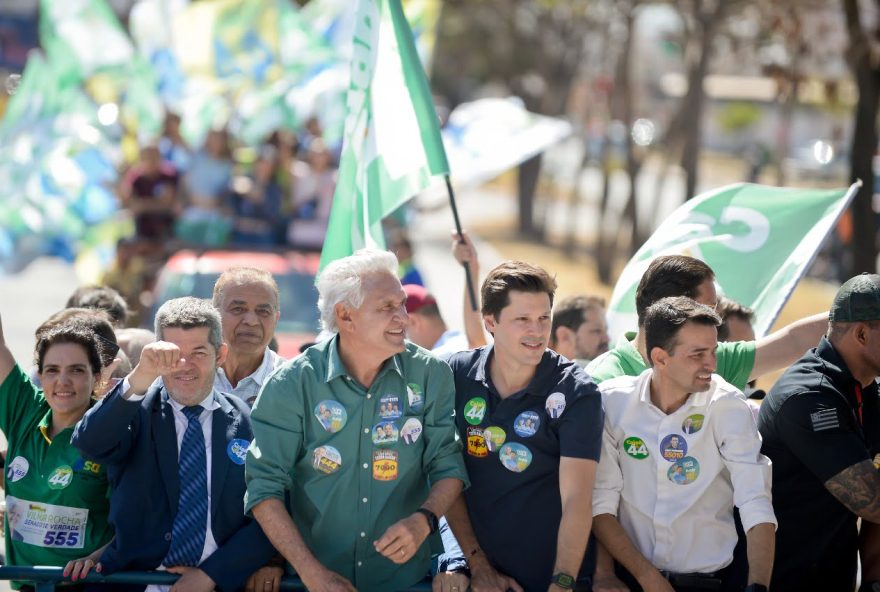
(609, 478)
(739, 443)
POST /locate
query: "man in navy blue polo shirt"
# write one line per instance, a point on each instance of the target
(531, 422)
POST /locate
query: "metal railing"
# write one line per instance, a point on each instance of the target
(45, 579)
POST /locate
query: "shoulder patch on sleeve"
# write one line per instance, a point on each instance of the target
(824, 419)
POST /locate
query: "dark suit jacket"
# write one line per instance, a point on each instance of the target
(137, 442)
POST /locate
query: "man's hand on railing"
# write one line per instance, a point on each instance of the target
(265, 579)
(192, 579)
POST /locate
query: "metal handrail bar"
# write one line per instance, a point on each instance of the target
(45, 578)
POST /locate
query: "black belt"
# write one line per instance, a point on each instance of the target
(707, 581)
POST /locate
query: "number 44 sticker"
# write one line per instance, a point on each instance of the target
(61, 477)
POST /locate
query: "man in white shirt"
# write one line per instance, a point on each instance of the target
(579, 331)
(680, 449)
(248, 301)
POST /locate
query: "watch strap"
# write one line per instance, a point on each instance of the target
(433, 521)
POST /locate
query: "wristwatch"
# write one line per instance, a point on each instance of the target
(563, 580)
(756, 588)
(433, 522)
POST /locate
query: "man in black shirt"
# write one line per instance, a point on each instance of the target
(821, 429)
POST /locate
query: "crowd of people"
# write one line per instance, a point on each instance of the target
(276, 195)
(525, 452)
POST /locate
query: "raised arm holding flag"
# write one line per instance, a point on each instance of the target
(392, 147)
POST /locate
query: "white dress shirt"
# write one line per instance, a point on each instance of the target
(681, 520)
(209, 404)
(249, 387)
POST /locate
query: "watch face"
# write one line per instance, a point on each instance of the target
(563, 580)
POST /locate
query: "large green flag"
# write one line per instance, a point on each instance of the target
(758, 240)
(392, 148)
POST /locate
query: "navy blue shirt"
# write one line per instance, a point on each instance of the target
(512, 450)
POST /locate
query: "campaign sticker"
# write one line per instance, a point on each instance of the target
(415, 397)
(61, 477)
(17, 469)
(385, 432)
(389, 407)
(385, 465)
(526, 424)
(236, 450)
(332, 415)
(684, 471)
(635, 447)
(475, 410)
(46, 525)
(515, 457)
(673, 447)
(476, 443)
(494, 437)
(326, 459)
(411, 430)
(555, 405)
(692, 424)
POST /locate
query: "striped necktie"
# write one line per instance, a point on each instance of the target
(188, 532)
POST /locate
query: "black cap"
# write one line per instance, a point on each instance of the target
(858, 299)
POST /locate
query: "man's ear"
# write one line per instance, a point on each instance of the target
(563, 335)
(489, 322)
(343, 315)
(221, 354)
(658, 356)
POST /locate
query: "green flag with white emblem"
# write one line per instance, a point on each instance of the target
(391, 148)
(758, 240)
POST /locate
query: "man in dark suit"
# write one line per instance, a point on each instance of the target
(175, 452)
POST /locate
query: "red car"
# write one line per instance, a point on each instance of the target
(190, 273)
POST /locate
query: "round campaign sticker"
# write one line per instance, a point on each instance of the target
(476, 443)
(555, 405)
(494, 437)
(526, 424)
(684, 471)
(692, 424)
(475, 410)
(515, 457)
(61, 477)
(326, 459)
(673, 447)
(415, 397)
(635, 447)
(411, 430)
(236, 450)
(332, 415)
(17, 469)
(385, 432)
(390, 407)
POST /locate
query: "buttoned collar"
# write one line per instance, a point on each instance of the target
(260, 374)
(336, 368)
(210, 402)
(539, 384)
(699, 399)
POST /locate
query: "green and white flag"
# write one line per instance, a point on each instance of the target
(758, 240)
(391, 148)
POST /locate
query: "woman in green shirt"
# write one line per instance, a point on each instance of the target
(57, 502)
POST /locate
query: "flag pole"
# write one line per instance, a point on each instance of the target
(467, 268)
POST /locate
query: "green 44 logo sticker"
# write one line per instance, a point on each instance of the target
(60, 477)
(475, 410)
(635, 447)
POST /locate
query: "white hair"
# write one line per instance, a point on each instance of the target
(342, 282)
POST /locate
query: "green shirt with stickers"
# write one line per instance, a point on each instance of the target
(355, 460)
(736, 359)
(56, 501)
